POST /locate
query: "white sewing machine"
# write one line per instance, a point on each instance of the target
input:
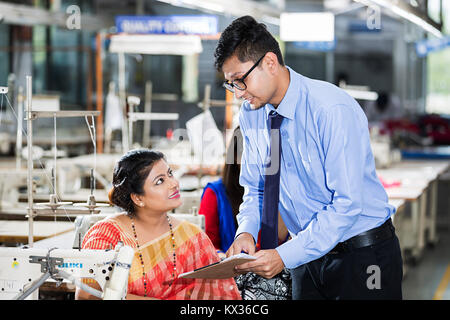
(11, 179)
(24, 270)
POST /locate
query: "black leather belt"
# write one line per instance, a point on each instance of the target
(366, 238)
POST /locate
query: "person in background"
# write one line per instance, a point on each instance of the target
(386, 107)
(145, 188)
(221, 200)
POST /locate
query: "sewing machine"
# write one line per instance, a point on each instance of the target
(12, 179)
(24, 270)
(72, 170)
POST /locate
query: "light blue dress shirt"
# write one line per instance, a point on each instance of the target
(329, 189)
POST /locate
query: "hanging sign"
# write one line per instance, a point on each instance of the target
(180, 24)
(424, 47)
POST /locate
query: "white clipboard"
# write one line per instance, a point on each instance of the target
(223, 269)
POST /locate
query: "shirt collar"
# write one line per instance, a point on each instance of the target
(287, 106)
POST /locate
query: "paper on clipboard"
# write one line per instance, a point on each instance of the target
(220, 270)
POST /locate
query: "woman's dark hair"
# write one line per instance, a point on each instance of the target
(129, 177)
(231, 171)
(382, 101)
(248, 39)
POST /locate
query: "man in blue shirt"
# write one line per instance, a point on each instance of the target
(343, 244)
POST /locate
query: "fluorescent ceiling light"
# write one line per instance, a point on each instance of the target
(207, 5)
(258, 9)
(404, 14)
(18, 14)
(307, 26)
(332, 5)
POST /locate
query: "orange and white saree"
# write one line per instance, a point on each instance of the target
(193, 250)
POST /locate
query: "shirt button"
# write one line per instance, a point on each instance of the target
(289, 164)
(283, 133)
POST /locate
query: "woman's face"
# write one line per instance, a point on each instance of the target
(161, 189)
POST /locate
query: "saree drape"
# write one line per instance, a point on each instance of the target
(193, 250)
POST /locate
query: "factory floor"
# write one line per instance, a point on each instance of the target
(429, 278)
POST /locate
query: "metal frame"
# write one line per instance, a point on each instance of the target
(30, 116)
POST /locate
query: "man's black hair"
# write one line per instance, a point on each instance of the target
(248, 40)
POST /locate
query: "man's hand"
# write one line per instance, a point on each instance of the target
(243, 242)
(268, 264)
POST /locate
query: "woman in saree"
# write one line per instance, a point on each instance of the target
(145, 188)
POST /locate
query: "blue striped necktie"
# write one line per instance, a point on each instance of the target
(269, 219)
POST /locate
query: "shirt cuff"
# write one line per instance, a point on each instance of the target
(249, 227)
(292, 253)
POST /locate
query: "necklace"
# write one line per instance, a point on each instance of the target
(142, 260)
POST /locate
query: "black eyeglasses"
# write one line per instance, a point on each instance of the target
(239, 83)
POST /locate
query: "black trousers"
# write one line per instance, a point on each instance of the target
(373, 272)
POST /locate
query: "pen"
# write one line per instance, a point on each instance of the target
(212, 264)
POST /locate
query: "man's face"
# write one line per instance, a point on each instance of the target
(258, 83)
